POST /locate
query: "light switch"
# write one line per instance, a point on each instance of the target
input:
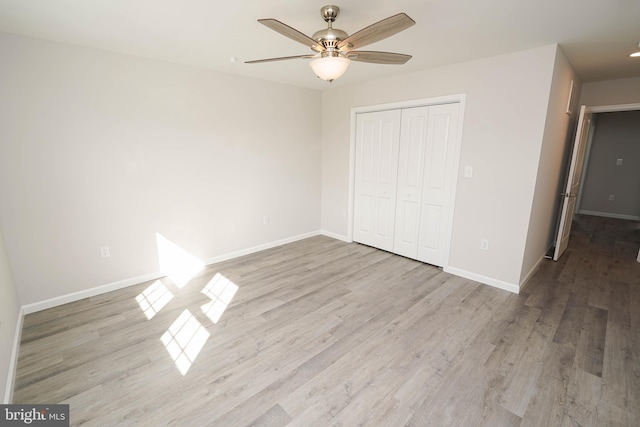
(619, 162)
(468, 171)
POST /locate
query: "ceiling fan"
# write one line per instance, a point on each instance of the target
(334, 48)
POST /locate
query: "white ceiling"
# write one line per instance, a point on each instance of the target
(595, 35)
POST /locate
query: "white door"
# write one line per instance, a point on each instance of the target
(438, 183)
(413, 141)
(376, 172)
(573, 182)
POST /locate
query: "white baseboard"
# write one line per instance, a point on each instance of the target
(98, 290)
(13, 362)
(610, 215)
(335, 236)
(87, 293)
(535, 268)
(259, 248)
(483, 279)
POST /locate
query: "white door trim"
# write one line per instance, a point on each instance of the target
(447, 99)
(613, 108)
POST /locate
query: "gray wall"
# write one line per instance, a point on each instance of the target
(617, 136)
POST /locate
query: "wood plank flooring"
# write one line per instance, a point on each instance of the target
(324, 333)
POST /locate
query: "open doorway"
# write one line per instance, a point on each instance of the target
(584, 137)
(610, 183)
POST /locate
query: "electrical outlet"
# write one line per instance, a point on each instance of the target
(611, 197)
(484, 244)
(265, 220)
(104, 251)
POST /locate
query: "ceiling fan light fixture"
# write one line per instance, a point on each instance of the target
(329, 68)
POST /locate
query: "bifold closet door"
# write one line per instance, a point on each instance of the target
(376, 174)
(411, 160)
(404, 180)
(438, 183)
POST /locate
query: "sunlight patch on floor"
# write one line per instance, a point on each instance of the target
(184, 339)
(152, 299)
(221, 291)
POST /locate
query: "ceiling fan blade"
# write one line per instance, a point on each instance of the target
(292, 33)
(282, 58)
(378, 57)
(378, 31)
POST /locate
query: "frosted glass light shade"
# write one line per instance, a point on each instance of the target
(329, 68)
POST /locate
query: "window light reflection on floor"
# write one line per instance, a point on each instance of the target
(184, 339)
(221, 291)
(152, 299)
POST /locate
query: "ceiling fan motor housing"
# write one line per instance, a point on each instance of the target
(330, 37)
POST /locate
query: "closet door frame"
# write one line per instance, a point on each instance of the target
(425, 102)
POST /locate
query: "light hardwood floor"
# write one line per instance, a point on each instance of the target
(323, 333)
